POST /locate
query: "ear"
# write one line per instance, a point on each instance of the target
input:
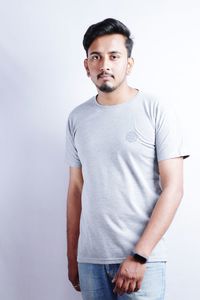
(130, 65)
(86, 67)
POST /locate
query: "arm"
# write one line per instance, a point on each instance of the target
(73, 222)
(171, 176)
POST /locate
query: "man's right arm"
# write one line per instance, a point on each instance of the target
(73, 222)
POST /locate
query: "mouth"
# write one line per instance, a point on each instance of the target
(105, 76)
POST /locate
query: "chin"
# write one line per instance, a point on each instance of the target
(106, 88)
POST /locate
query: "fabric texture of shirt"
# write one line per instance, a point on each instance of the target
(118, 148)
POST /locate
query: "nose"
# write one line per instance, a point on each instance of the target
(105, 65)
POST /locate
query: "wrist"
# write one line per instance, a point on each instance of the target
(137, 257)
(142, 249)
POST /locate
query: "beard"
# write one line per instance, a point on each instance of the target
(106, 88)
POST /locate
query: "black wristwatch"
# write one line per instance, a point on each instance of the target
(139, 258)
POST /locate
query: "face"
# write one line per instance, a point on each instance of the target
(108, 64)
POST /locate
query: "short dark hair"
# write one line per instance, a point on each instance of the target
(105, 27)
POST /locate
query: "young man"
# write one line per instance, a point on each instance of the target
(126, 177)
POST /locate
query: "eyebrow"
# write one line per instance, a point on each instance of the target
(110, 52)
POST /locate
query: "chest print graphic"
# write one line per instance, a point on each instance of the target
(131, 136)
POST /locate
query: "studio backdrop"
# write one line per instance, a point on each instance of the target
(42, 79)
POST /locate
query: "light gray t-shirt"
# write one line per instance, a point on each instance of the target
(118, 147)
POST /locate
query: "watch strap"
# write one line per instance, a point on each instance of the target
(139, 258)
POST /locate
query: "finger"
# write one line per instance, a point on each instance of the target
(77, 286)
(125, 286)
(138, 285)
(131, 287)
(117, 278)
(78, 289)
(119, 291)
(118, 284)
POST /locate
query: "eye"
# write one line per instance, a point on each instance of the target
(94, 57)
(115, 56)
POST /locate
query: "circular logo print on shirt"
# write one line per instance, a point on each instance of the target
(131, 136)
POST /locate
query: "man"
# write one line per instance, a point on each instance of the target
(126, 177)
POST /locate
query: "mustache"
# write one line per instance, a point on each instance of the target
(104, 74)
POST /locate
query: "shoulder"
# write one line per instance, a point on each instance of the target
(155, 104)
(150, 103)
(151, 99)
(80, 110)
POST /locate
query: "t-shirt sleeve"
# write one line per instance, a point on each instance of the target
(73, 159)
(169, 135)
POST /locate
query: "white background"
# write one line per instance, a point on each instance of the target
(41, 80)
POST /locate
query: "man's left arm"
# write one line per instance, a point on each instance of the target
(171, 178)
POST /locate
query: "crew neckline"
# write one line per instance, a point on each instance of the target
(106, 106)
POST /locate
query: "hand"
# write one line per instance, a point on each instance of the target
(73, 274)
(129, 277)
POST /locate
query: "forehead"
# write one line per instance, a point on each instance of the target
(108, 43)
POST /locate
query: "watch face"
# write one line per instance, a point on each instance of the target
(139, 258)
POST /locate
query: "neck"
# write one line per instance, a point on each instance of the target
(116, 97)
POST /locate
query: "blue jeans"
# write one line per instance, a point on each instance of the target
(96, 282)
